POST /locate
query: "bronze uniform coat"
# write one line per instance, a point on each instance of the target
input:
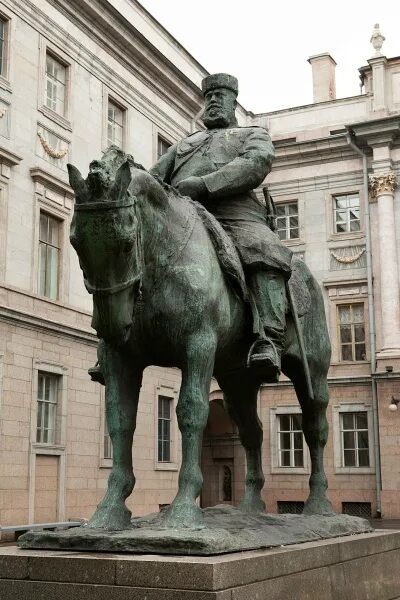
(231, 162)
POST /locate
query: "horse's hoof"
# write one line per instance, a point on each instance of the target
(182, 515)
(318, 506)
(111, 518)
(252, 506)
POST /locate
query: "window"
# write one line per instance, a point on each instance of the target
(346, 213)
(291, 507)
(290, 440)
(162, 146)
(107, 446)
(56, 75)
(3, 46)
(164, 428)
(49, 251)
(115, 124)
(351, 332)
(354, 436)
(287, 221)
(46, 408)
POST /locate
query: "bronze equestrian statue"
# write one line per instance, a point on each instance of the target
(168, 290)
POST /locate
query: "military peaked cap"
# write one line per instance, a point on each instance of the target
(219, 80)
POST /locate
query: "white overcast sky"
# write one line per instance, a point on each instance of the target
(266, 44)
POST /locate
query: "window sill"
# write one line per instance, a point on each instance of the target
(354, 471)
(346, 236)
(349, 362)
(41, 448)
(105, 463)
(55, 117)
(290, 471)
(166, 466)
(294, 242)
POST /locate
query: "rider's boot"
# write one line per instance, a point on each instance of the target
(269, 295)
(96, 374)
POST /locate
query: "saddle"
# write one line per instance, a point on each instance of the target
(232, 267)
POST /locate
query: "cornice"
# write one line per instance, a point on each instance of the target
(39, 175)
(161, 82)
(376, 132)
(32, 321)
(309, 152)
(101, 21)
(9, 158)
(318, 182)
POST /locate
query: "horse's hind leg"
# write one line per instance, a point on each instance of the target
(240, 391)
(123, 383)
(315, 429)
(192, 413)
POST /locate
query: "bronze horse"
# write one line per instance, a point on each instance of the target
(161, 298)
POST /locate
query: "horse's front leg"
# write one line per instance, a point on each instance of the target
(192, 414)
(123, 380)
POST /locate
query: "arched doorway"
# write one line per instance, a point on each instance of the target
(223, 461)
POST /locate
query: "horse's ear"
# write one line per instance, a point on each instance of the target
(77, 183)
(122, 181)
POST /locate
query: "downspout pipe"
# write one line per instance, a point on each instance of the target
(371, 321)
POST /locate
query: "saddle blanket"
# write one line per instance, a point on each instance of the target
(232, 267)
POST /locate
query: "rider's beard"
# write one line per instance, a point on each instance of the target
(216, 117)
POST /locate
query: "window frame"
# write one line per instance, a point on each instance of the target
(161, 418)
(287, 217)
(354, 431)
(353, 343)
(291, 450)
(337, 411)
(116, 105)
(53, 404)
(161, 138)
(168, 391)
(348, 221)
(158, 132)
(56, 85)
(59, 221)
(111, 96)
(6, 59)
(47, 48)
(330, 194)
(276, 469)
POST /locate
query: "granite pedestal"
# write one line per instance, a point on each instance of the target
(359, 567)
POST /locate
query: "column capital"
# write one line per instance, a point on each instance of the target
(382, 183)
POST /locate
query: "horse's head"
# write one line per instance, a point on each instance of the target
(104, 234)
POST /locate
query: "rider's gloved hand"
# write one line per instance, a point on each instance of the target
(193, 187)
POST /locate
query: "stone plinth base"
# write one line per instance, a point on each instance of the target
(226, 529)
(362, 567)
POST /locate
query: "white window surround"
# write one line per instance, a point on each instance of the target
(329, 214)
(275, 412)
(49, 449)
(63, 215)
(287, 214)
(46, 47)
(114, 98)
(346, 291)
(337, 441)
(164, 389)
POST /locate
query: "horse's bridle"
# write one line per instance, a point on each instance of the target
(106, 291)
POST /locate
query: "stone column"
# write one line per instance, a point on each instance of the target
(382, 187)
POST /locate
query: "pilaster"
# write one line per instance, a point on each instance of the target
(382, 187)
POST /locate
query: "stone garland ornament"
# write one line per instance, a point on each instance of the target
(384, 183)
(3, 111)
(50, 150)
(348, 259)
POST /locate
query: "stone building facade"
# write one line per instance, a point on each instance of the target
(76, 76)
